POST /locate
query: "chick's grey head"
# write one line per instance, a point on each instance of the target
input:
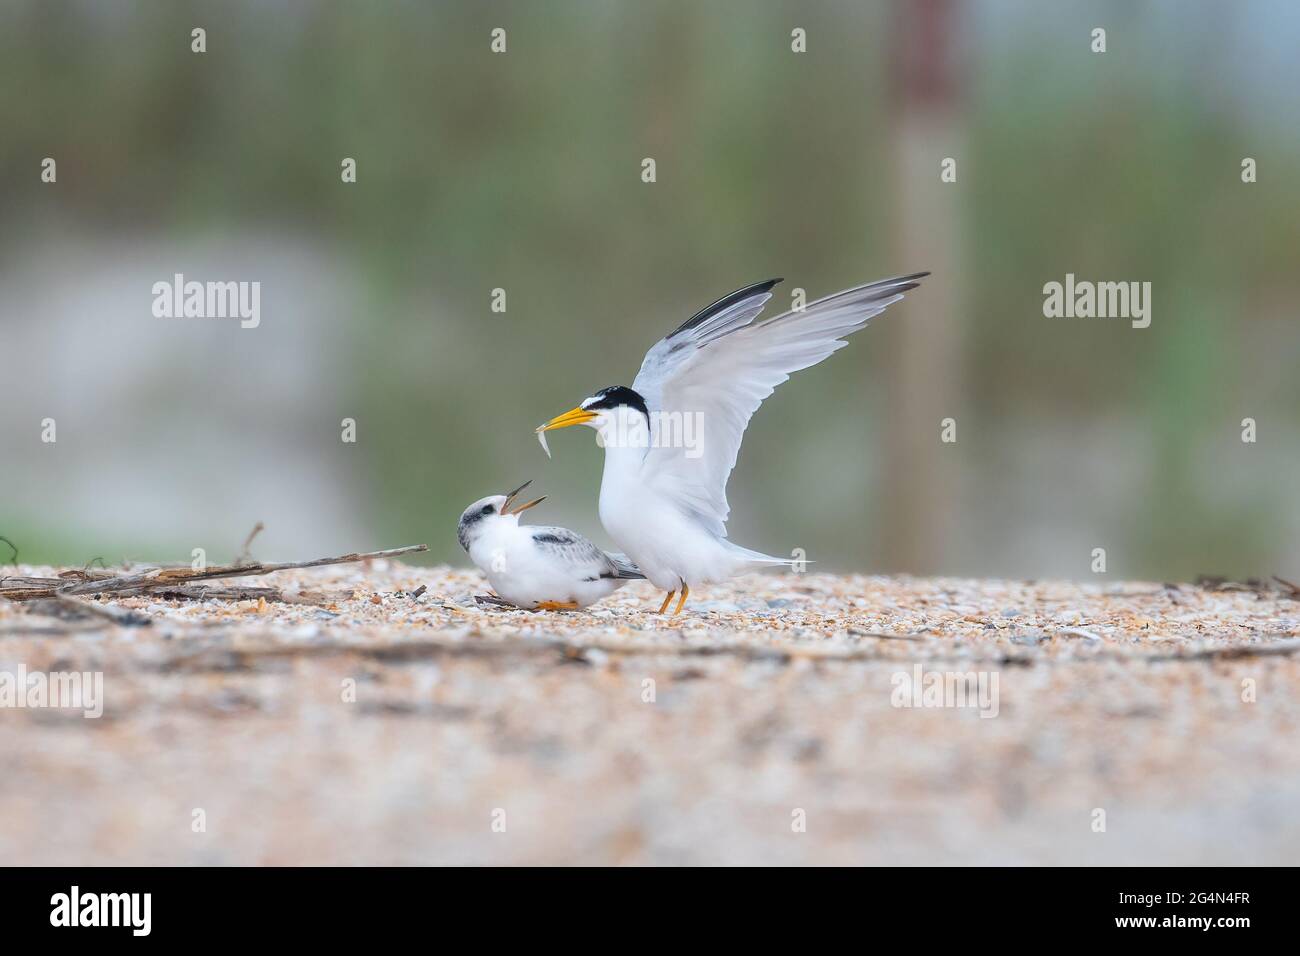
(475, 519)
(482, 514)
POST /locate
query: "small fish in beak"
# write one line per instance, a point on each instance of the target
(574, 416)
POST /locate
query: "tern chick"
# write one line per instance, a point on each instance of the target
(535, 567)
(663, 499)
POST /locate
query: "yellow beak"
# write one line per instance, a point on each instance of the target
(574, 416)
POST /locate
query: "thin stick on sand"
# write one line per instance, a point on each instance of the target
(152, 578)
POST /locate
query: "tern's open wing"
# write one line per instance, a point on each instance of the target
(720, 365)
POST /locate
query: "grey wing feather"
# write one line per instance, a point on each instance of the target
(581, 555)
(728, 314)
(623, 567)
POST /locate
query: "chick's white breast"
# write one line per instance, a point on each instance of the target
(529, 564)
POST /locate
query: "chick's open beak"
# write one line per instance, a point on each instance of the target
(532, 504)
(505, 507)
(574, 416)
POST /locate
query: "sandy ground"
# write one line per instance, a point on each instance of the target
(1129, 723)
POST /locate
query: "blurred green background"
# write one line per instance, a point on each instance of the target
(522, 171)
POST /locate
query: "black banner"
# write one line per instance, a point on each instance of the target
(1225, 906)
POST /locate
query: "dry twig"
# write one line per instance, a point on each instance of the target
(153, 579)
(246, 554)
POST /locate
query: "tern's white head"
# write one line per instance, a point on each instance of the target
(618, 413)
(485, 513)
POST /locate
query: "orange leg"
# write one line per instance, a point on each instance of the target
(686, 590)
(667, 600)
(557, 605)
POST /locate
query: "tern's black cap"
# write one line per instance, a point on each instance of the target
(617, 395)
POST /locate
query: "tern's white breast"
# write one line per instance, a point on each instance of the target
(667, 544)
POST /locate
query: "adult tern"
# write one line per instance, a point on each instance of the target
(663, 498)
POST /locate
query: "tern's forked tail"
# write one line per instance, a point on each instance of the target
(758, 557)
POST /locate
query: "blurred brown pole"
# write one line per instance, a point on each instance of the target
(924, 377)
